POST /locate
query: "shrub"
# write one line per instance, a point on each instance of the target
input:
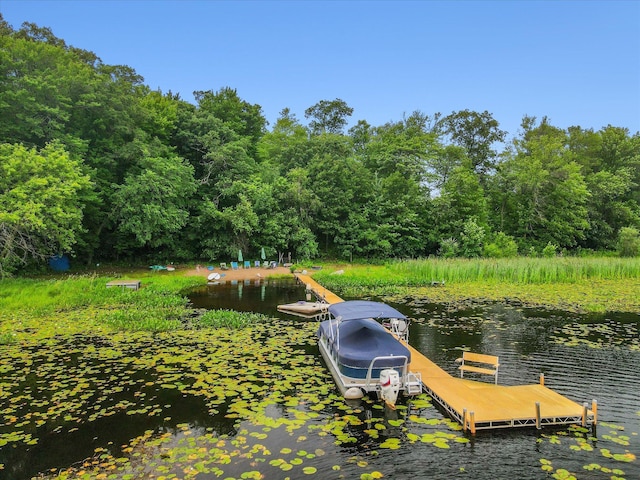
(550, 250)
(502, 246)
(449, 248)
(472, 239)
(629, 242)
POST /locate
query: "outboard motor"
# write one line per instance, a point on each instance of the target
(389, 386)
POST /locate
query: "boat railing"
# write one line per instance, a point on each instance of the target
(386, 357)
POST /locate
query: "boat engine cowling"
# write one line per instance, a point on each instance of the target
(389, 386)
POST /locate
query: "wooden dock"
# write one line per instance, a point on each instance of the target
(481, 405)
(132, 284)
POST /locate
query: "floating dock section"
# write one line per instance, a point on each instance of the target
(481, 405)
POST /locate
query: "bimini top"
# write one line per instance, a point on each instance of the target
(358, 309)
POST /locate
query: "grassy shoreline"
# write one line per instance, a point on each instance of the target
(42, 308)
(571, 284)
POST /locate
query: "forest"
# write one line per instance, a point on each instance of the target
(95, 164)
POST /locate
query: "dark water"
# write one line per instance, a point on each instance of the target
(583, 357)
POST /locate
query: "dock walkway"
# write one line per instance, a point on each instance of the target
(481, 405)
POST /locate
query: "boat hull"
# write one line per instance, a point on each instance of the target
(303, 308)
(359, 366)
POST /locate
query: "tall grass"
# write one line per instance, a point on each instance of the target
(522, 270)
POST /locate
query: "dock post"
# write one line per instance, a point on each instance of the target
(472, 422)
(594, 407)
(585, 409)
(538, 413)
(542, 379)
(464, 419)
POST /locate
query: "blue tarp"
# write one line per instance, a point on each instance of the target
(362, 340)
(59, 263)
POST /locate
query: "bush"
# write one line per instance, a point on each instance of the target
(449, 248)
(629, 242)
(502, 246)
(472, 239)
(550, 250)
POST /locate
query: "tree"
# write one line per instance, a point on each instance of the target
(544, 194)
(243, 118)
(40, 203)
(405, 147)
(629, 242)
(476, 133)
(151, 204)
(328, 116)
(461, 198)
(610, 163)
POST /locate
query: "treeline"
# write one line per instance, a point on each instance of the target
(95, 162)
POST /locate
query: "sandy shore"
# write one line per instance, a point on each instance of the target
(241, 273)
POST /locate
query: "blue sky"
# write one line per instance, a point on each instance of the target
(577, 62)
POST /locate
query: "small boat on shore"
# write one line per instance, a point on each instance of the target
(304, 308)
(365, 356)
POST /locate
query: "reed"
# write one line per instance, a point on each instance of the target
(523, 270)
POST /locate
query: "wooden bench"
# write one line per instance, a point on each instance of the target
(478, 363)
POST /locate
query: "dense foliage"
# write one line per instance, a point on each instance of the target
(131, 173)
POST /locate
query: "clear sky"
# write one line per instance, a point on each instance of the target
(576, 62)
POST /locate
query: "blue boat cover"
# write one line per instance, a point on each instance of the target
(361, 340)
(357, 309)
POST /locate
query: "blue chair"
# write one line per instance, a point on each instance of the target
(256, 264)
(234, 265)
(247, 264)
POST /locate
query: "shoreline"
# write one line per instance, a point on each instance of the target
(252, 273)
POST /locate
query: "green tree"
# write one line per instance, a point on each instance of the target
(405, 147)
(629, 242)
(472, 239)
(328, 116)
(610, 162)
(476, 133)
(544, 194)
(501, 246)
(40, 203)
(151, 204)
(461, 198)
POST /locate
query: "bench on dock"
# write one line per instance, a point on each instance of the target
(478, 363)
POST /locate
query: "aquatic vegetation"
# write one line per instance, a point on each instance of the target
(254, 388)
(582, 441)
(606, 334)
(571, 284)
(230, 395)
(227, 319)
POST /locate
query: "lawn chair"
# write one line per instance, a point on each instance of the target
(234, 265)
(256, 264)
(247, 264)
(265, 264)
(223, 266)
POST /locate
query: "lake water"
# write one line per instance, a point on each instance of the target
(223, 404)
(583, 357)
